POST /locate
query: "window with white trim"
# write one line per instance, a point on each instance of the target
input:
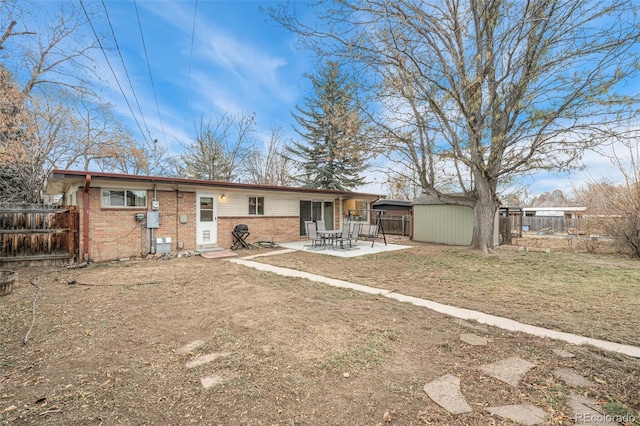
(256, 206)
(126, 198)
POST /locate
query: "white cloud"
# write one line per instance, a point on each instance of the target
(231, 69)
(243, 60)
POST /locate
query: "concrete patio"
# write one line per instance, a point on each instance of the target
(360, 248)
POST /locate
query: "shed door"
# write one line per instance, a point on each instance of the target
(206, 224)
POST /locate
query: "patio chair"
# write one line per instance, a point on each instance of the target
(347, 236)
(311, 233)
(320, 226)
(355, 227)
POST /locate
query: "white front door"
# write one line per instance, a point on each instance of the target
(206, 224)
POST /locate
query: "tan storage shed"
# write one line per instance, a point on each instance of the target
(437, 222)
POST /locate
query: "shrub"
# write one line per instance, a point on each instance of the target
(614, 210)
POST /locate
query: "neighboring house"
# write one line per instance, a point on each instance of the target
(396, 216)
(129, 216)
(438, 222)
(393, 207)
(566, 212)
(553, 219)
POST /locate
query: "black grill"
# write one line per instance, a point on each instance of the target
(241, 229)
(240, 234)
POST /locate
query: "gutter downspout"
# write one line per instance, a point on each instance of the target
(85, 207)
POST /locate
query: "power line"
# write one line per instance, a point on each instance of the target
(193, 33)
(150, 75)
(113, 34)
(111, 68)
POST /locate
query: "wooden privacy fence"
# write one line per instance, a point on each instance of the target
(396, 225)
(551, 224)
(38, 235)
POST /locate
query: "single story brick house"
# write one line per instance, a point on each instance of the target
(129, 215)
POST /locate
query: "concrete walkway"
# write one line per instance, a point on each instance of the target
(467, 314)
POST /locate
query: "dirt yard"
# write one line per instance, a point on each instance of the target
(108, 347)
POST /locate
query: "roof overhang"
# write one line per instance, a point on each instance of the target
(62, 180)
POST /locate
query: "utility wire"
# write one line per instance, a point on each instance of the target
(113, 34)
(193, 34)
(111, 68)
(150, 75)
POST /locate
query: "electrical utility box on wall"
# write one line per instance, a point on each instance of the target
(153, 219)
(163, 245)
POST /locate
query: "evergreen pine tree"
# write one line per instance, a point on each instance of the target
(331, 154)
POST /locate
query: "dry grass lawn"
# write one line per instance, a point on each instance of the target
(106, 349)
(592, 295)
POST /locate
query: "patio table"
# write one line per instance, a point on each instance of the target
(329, 235)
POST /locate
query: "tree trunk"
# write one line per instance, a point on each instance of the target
(484, 213)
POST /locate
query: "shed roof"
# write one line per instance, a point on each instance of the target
(430, 200)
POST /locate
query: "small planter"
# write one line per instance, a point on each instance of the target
(6, 282)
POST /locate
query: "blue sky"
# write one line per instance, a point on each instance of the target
(237, 61)
(240, 62)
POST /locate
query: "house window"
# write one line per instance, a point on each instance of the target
(206, 209)
(124, 198)
(256, 205)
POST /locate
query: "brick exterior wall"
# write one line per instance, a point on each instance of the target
(278, 229)
(114, 234)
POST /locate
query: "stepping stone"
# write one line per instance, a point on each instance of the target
(205, 359)
(445, 391)
(585, 413)
(510, 370)
(573, 379)
(525, 414)
(473, 339)
(211, 381)
(563, 354)
(190, 347)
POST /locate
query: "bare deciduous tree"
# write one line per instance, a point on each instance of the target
(614, 208)
(9, 10)
(14, 117)
(61, 131)
(493, 88)
(15, 131)
(271, 166)
(47, 48)
(220, 148)
(402, 186)
(49, 54)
